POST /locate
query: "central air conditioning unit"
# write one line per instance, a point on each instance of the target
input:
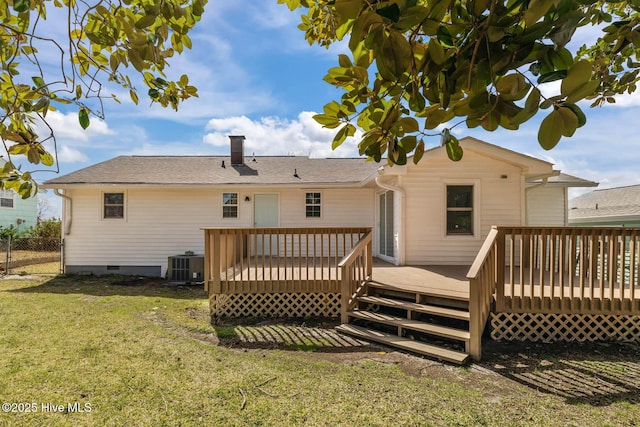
(186, 268)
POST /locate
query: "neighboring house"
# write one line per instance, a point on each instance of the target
(607, 207)
(128, 214)
(16, 212)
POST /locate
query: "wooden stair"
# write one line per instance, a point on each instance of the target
(427, 324)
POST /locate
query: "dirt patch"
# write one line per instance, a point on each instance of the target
(593, 373)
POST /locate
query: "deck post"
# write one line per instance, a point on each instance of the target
(345, 294)
(500, 267)
(207, 257)
(476, 326)
(369, 260)
(217, 288)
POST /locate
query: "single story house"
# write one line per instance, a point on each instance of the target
(611, 207)
(127, 215)
(16, 212)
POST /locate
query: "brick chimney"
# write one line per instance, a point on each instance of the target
(237, 150)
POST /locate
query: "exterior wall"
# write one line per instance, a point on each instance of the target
(23, 209)
(498, 200)
(546, 206)
(162, 222)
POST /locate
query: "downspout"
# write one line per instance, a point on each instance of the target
(67, 225)
(401, 231)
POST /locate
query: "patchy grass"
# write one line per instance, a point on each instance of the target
(145, 354)
(49, 268)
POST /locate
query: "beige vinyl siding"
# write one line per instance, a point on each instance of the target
(497, 201)
(163, 222)
(546, 206)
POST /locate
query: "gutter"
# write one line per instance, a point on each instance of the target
(401, 231)
(67, 225)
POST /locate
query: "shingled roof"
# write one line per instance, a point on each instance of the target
(568, 181)
(606, 203)
(218, 170)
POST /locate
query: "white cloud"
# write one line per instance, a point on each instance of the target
(71, 155)
(67, 129)
(276, 136)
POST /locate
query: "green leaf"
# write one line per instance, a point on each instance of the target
(419, 152)
(408, 125)
(38, 81)
(582, 119)
(344, 61)
(536, 10)
(569, 121)
(134, 96)
(348, 9)
(408, 143)
(551, 130)
(145, 21)
(454, 150)
(577, 76)
(46, 159)
(83, 117)
(342, 134)
(391, 12)
(583, 91)
(395, 54)
(436, 52)
(327, 121)
(21, 6)
(444, 36)
(552, 76)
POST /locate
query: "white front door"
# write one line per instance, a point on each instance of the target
(266, 213)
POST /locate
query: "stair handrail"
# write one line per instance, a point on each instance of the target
(483, 277)
(355, 273)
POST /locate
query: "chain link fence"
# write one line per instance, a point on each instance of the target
(30, 255)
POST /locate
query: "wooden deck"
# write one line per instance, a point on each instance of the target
(316, 275)
(447, 281)
(568, 273)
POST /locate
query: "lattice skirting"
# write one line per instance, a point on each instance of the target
(275, 305)
(564, 327)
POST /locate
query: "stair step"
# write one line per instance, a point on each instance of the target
(428, 328)
(442, 293)
(421, 308)
(439, 353)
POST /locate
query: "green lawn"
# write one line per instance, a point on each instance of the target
(146, 355)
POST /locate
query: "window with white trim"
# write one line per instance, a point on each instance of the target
(7, 198)
(460, 210)
(229, 205)
(313, 204)
(113, 206)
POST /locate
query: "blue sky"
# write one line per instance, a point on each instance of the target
(258, 77)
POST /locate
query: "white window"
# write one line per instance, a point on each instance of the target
(7, 198)
(460, 210)
(113, 206)
(313, 205)
(229, 205)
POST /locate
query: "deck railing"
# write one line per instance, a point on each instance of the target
(570, 270)
(483, 277)
(356, 269)
(554, 270)
(272, 260)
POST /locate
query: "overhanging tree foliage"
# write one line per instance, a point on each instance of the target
(416, 65)
(103, 40)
